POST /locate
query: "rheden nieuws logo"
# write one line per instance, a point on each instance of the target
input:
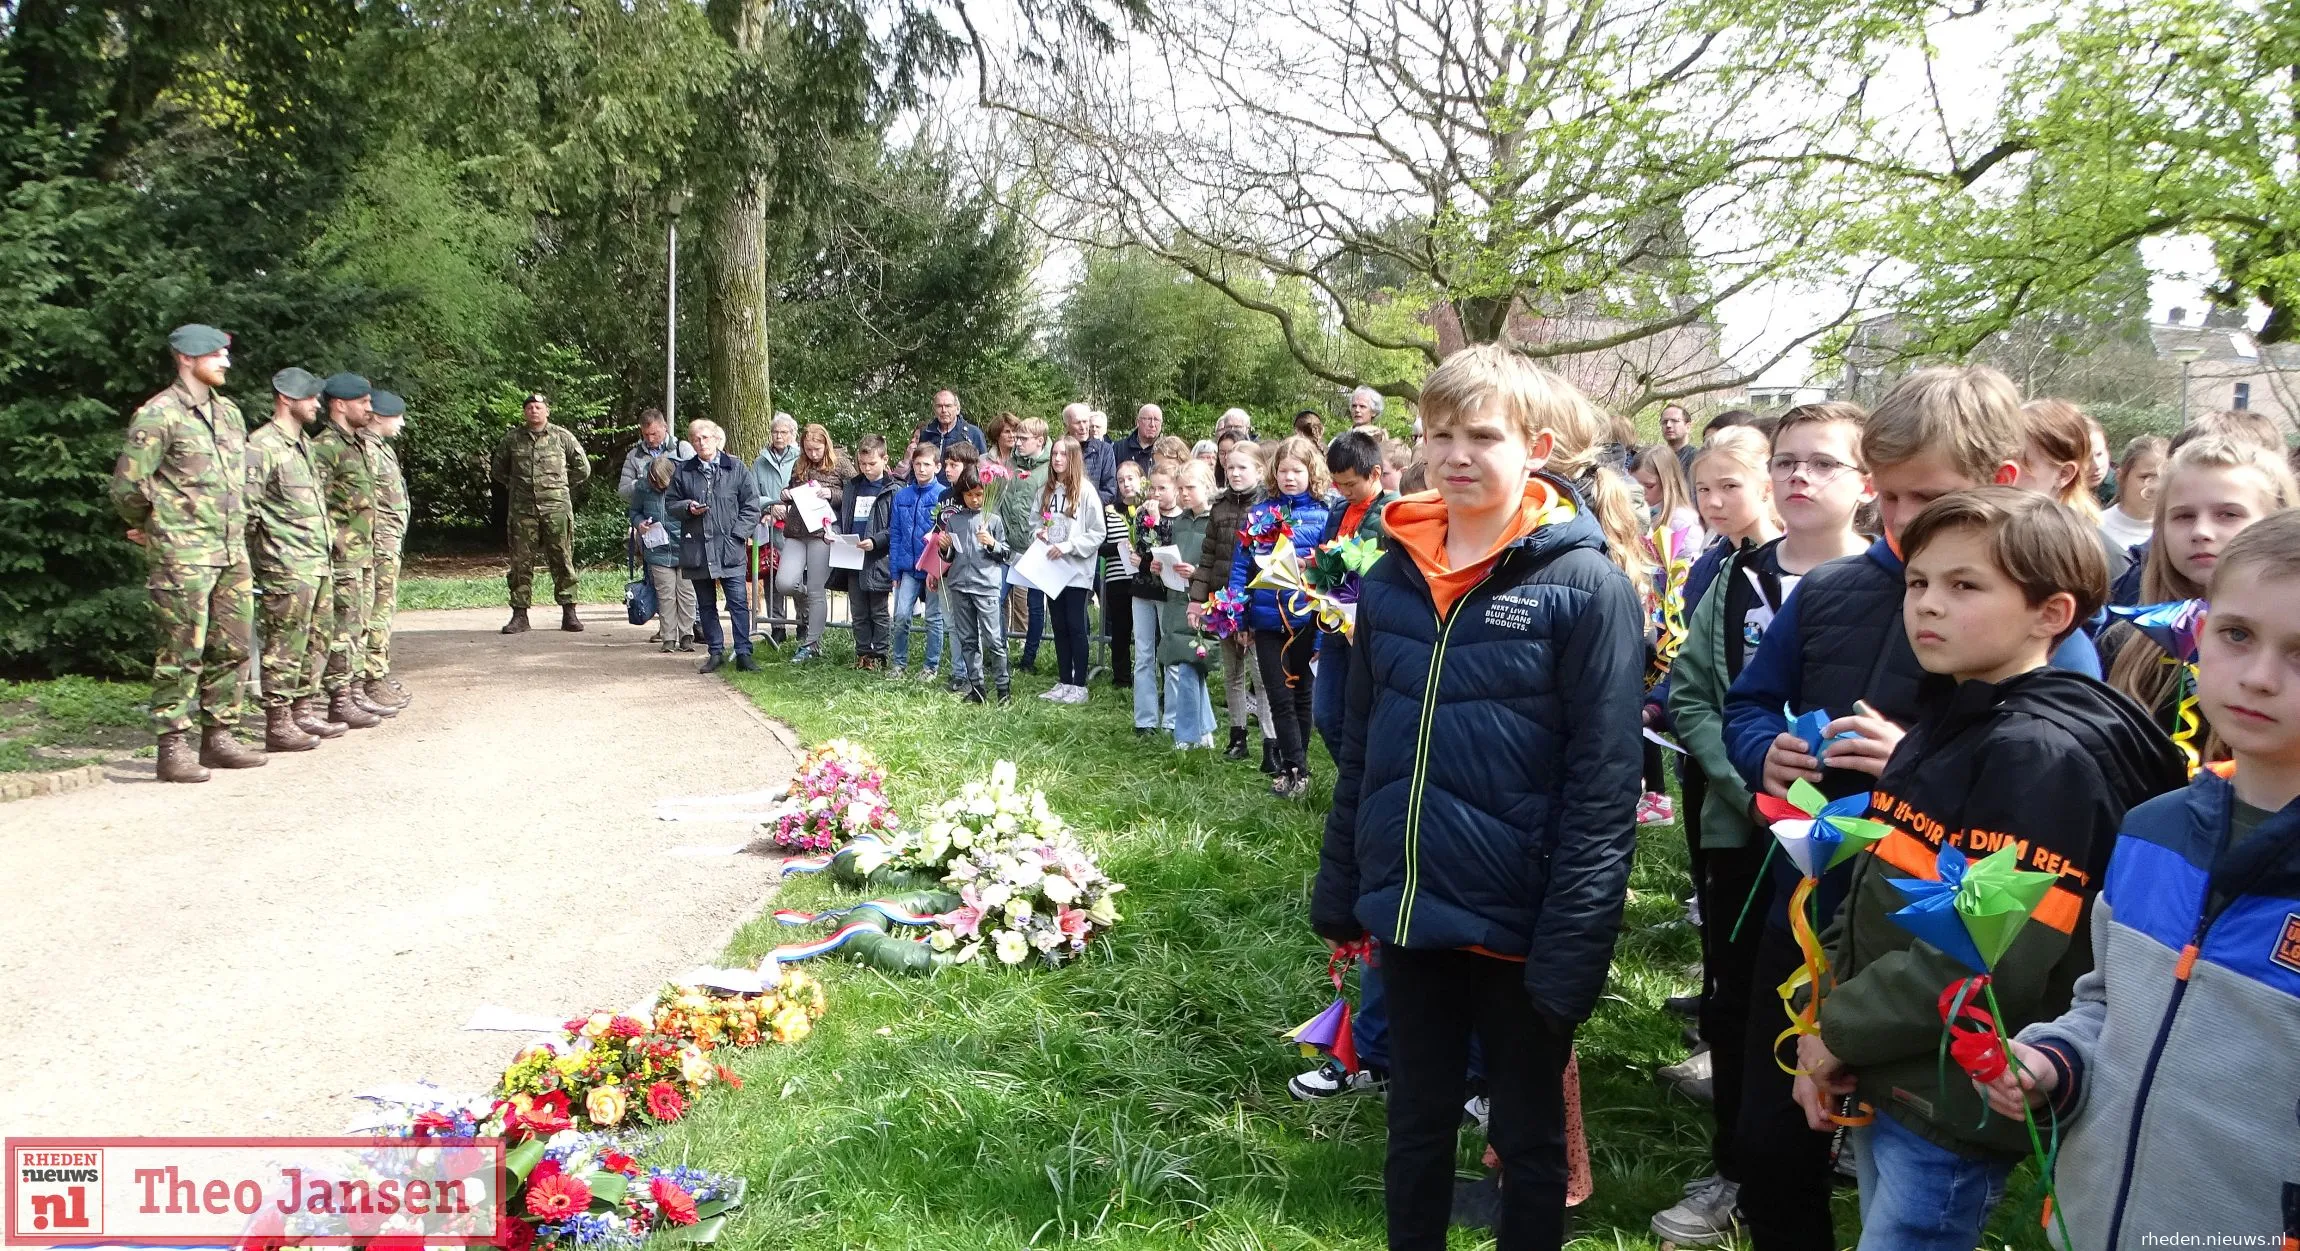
(202, 1191)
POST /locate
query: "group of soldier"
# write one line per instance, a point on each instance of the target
(300, 527)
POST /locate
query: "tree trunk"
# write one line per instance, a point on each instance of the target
(740, 386)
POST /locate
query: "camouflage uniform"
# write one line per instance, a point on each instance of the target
(180, 480)
(542, 471)
(288, 540)
(391, 514)
(350, 491)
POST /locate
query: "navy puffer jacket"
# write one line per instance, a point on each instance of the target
(1490, 764)
(907, 525)
(1308, 514)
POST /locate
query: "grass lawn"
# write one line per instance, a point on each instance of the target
(593, 586)
(71, 721)
(1137, 1098)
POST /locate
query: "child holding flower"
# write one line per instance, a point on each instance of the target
(1282, 635)
(1181, 650)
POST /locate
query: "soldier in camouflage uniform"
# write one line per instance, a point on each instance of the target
(541, 466)
(178, 485)
(288, 537)
(391, 514)
(349, 488)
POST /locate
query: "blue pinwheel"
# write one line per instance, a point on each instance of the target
(1974, 911)
(2172, 625)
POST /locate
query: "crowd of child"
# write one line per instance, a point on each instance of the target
(1552, 607)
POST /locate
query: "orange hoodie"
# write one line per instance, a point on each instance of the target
(1418, 523)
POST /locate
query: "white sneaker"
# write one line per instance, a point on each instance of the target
(1704, 1218)
(1328, 1080)
(1053, 692)
(1077, 695)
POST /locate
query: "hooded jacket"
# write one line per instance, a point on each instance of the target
(1837, 641)
(2186, 1020)
(1490, 765)
(1179, 642)
(2049, 761)
(868, 520)
(1017, 503)
(1225, 513)
(1307, 514)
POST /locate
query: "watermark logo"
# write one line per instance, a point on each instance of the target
(299, 1191)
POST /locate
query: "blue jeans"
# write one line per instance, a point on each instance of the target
(1330, 697)
(1919, 1196)
(738, 611)
(1146, 667)
(908, 590)
(1188, 703)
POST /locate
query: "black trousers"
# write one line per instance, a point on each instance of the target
(1785, 1189)
(1118, 626)
(1284, 660)
(1071, 645)
(1724, 879)
(1438, 1000)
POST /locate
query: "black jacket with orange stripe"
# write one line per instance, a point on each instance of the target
(2048, 761)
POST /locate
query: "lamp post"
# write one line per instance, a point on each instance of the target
(673, 203)
(2186, 356)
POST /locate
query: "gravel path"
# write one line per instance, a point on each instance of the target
(239, 957)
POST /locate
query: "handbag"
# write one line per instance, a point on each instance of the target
(638, 593)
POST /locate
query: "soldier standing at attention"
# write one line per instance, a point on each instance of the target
(541, 466)
(391, 514)
(178, 485)
(287, 544)
(350, 492)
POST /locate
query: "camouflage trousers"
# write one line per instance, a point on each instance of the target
(550, 536)
(380, 610)
(206, 615)
(338, 650)
(286, 603)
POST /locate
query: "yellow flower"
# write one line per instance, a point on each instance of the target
(792, 1024)
(694, 1068)
(606, 1105)
(596, 1027)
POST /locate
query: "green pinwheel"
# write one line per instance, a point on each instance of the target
(1977, 908)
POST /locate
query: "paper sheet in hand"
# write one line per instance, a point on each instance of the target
(1049, 572)
(1659, 739)
(655, 536)
(847, 552)
(1129, 559)
(814, 510)
(1168, 557)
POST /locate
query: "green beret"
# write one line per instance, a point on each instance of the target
(198, 340)
(385, 404)
(296, 384)
(346, 386)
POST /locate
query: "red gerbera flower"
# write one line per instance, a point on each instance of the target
(546, 1114)
(624, 1027)
(557, 1197)
(617, 1162)
(432, 1124)
(677, 1205)
(665, 1103)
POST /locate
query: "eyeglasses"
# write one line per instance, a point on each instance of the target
(1815, 468)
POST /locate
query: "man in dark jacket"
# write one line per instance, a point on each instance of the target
(1100, 462)
(1491, 858)
(717, 507)
(1149, 423)
(950, 426)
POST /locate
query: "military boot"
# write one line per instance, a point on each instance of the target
(219, 750)
(360, 700)
(178, 762)
(378, 692)
(281, 733)
(567, 619)
(341, 708)
(518, 622)
(309, 720)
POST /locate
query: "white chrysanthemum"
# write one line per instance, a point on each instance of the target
(1003, 823)
(1012, 947)
(995, 895)
(1059, 889)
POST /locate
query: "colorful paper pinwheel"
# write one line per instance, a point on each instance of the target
(1225, 613)
(1813, 727)
(1328, 1033)
(1282, 571)
(1818, 833)
(1976, 908)
(2172, 625)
